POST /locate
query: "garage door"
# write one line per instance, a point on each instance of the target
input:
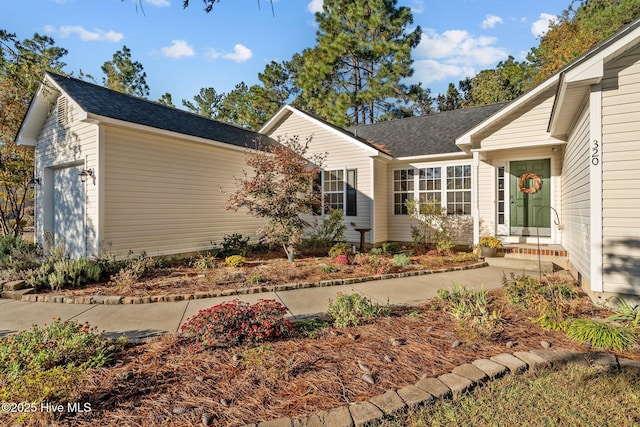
(68, 210)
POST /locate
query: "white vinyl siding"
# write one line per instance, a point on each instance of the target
(340, 154)
(167, 196)
(61, 145)
(526, 128)
(575, 197)
(621, 173)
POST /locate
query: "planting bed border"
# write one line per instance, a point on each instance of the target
(460, 380)
(116, 300)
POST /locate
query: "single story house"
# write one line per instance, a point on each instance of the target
(559, 165)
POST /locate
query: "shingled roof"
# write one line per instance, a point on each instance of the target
(425, 135)
(104, 102)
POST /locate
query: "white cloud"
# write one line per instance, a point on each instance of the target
(417, 7)
(490, 21)
(85, 35)
(315, 6)
(213, 54)
(240, 53)
(453, 54)
(159, 3)
(541, 26)
(178, 49)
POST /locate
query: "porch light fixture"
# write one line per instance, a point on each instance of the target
(34, 181)
(85, 173)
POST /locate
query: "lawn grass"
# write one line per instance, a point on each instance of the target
(575, 396)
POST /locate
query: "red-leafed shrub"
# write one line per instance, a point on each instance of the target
(343, 260)
(236, 321)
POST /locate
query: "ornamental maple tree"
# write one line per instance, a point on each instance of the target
(281, 189)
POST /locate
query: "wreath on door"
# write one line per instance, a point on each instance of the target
(522, 185)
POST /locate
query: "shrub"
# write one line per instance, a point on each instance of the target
(18, 255)
(310, 328)
(256, 278)
(46, 363)
(471, 311)
(236, 321)
(328, 269)
(401, 260)
(390, 247)
(60, 344)
(376, 264)
(61, 273)
(342, 260)
(328, 232)
(134, 270)
(376, 251)
(340, 248)
(232, 244)
(490, 242)
(351, 310)
(432, 226)
(204, 262)
(602, 335)
(235, 260)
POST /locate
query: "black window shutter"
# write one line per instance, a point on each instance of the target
(317, 188)
(350, 208)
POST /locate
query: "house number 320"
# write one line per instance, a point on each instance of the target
(595, 153)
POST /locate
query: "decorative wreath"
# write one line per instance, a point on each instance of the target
(537, 182)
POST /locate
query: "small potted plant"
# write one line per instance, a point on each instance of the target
(489, 245)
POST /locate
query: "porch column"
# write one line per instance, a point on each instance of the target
(475, 211)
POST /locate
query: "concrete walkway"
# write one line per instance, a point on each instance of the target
(139, 321)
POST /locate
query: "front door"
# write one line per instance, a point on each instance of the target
(530, 191)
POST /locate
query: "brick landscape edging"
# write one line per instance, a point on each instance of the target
(460, 380)
(115, 300)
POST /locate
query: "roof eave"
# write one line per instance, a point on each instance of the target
(36, 114)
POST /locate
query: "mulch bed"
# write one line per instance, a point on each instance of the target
(182, 279)
(163, 383)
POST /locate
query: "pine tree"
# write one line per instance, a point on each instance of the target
(353, 74)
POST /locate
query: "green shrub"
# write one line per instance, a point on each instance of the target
(62, 273)
(376, 251)
(328, 269)
(18, 255)
(390, 247)
(401, 260)
(45, 364)
(602, 335)
(235, 260)
(310, 328)
(60, 344)
(204, 262)
(256, 278)
(235, 322)
(471, 311)
(352, 309)
(232, 244)
(340, 248)
(326, 233)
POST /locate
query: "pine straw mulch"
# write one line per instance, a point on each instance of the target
(181, 278)
(163, 383)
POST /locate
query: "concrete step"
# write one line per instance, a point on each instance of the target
(529, 265)
(560, 261)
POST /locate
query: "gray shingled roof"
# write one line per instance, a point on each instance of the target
(109, 103)
(425, 135)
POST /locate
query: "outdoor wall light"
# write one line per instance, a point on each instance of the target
(35, 181)
(85, 173)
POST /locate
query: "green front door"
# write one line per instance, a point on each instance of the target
(529, 210)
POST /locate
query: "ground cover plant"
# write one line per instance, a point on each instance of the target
(316, 366)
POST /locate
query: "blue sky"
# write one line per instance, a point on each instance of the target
(183, 50)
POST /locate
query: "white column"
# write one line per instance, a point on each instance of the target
(595, 188)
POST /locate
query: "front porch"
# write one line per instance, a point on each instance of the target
(531, 258)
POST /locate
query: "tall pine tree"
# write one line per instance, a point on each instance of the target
(363, 51)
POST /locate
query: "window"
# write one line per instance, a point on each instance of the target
(459, 190)
(338, 192)
(501, 195)
(451, 191)
(403, 188)
(429, 185)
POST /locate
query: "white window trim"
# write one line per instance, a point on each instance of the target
(443, 186)
(344, 189)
